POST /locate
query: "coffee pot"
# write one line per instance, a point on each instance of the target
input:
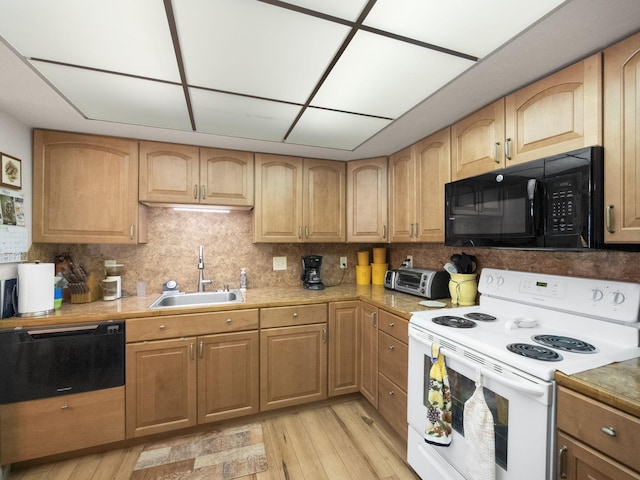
(311, 272)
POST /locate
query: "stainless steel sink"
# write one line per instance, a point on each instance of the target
(197, 299)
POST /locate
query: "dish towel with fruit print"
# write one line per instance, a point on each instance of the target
(479, 437)
(438, 402)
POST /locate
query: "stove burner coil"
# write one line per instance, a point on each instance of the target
(453, 321)
(480, 317)
(567, 344)
(536, 352)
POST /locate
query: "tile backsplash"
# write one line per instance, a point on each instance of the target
(175, 237)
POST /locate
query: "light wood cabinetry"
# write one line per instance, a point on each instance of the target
(560, 113)
(179, 370)
(183, 174)
(622, 141)
(85, 189)
(417, 176)
(369, 352)
(299, 200)
(367, 200)
(293, 355)
(393, 357)
(344, 351)
(594, 440)
(49, 426)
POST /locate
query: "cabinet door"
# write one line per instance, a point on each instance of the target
(477, 142)
(323, 201)
(367, 199)
(293, 365)
(226, 177)
(278, 189)
(369, 352)
(344, 354)
(169, 173)
(557, 114)
(85, 189)
(433, 170)
(228, 376)
(402, 196)
(161, 386)
(622, 141)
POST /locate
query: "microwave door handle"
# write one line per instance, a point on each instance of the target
(520, 386)
(533, 193)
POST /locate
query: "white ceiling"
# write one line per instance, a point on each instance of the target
(340, 79)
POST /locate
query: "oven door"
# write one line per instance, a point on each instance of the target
(521, 406)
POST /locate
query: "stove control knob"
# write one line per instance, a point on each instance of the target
(500, 280)
(596, 294)
(617, 298)
(489, 279)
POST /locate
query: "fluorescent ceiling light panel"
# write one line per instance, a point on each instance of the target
(117, 35)
(253, 48)
(237, 116)
(116, 98)
(380, 76)
(345, 9)
(467, 26)
(327, 128)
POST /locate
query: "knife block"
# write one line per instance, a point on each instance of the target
(94, 291)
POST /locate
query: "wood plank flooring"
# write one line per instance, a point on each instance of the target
(338, 441)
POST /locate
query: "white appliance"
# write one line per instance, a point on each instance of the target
(566, 323)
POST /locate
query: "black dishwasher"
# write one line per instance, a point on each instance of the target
(51, 361)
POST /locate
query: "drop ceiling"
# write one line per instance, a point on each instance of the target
(337, 79)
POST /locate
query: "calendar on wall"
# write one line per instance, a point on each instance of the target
(13, 231)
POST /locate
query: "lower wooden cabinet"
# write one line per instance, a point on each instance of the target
(344, 349)
(50, 426)
(369, 352)
(392, 405)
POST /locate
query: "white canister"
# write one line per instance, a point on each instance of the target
(112, 288)
(35, 289)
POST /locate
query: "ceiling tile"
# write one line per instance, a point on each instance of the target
(118, 35)
(467, 26)
(116, 98)
(253, 48)
(380, 76)
(331, 129)
(238, 116)
(345, 9)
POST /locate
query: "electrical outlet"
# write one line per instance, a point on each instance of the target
(279, 263)
(343, 262)
(409, 261)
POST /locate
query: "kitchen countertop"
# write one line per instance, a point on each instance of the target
(136, 307)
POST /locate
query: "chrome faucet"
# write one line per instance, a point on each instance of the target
(201, 281)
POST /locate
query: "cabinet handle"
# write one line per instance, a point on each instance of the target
(608, 431)
(195, 192)
(391, 324)
(610, 219)
(162, 327)
(374, 322)
(507, 148)
(496, 146)
(384, 231)
(391, 347)
(65, 406)
(300, 232)
(203, 192)
(201, 349)
(391, 392)
(295, 314)
(191, 351)
(306, 231)
(562, 462)
(324, 335)
(132, 232)
(228, 320)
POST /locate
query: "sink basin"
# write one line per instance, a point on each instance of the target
(197, 299)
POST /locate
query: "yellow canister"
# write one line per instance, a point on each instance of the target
(378, 271)
(463, 288)
(363, 258)
(379, 255)
(363, 274)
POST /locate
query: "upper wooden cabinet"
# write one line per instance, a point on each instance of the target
(560, 113)
(184, 174)
(622, 141)
(367, 200)
(416, 189)
(85, 189)
(299, 200)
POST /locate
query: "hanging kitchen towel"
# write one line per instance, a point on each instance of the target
(479, 436)
(438, 431)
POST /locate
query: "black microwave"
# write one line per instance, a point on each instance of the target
(555, 203)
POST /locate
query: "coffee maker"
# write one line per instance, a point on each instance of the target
(311, 272)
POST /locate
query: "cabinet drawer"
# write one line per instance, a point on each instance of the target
(393, 358)
(393, 325)
(392, 404)
(49, 426)
(584, 419)
(192, 324)
(291, 316)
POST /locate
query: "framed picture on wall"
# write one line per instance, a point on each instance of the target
(11, 172)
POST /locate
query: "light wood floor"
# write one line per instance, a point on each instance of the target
(339, 441)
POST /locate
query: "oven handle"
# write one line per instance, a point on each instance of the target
(529, 390)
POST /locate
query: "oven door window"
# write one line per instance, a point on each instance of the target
(461, 390)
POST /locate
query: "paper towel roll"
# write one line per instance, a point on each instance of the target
(35, 289)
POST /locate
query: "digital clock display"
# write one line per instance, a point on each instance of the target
(541, 284)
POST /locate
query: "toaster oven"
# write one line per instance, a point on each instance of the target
(422, 282)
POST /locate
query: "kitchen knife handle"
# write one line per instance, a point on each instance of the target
(610, 219)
